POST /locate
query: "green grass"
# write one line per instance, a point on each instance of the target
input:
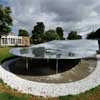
(1, 81)
(92, 94)
(4, 54)
(5, 96)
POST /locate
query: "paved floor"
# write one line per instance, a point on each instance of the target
(78, 72)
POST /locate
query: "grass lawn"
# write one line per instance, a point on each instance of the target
(93, 94)
(4, 54)
(5, 96)
(6, 93)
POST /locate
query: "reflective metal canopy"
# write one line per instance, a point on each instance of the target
(59, 49)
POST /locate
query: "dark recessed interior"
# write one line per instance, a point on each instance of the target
(38, 67)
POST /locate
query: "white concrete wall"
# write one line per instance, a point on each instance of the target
(52, 90)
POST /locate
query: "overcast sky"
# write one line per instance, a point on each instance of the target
(80, 15)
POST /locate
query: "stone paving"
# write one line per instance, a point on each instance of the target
(51, 89)
(75, 73)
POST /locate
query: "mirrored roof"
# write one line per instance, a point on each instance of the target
(59, 49)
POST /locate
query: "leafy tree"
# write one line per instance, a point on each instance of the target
(97, 36)
(23, 32)
(94, 35)
(60, 31)
(91, 35)
(5, 20)
(73, 36)
(39, 28)
(37, 33)
(51, 35)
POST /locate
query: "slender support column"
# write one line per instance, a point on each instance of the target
(57, 62)
(57, 65)
(27, 67)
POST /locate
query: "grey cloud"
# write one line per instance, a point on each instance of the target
(65, 13)
(68, 10)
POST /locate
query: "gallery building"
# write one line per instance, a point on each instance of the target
(13, 40)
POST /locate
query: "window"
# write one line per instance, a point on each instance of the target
(13, 41)
(19, 41)
(4, 41)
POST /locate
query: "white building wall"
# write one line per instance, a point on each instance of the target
(11, 40)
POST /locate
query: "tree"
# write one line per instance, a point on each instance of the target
(60, 31)
(38, 32)
(5, 20)
(39, 28)
(73, 36)
(94, 35)
(23, 32)
(97, 34)
(91, 35)
(51, 35)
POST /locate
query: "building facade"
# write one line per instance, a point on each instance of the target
(13, 40)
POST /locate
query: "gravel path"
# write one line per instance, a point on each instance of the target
(52, 90)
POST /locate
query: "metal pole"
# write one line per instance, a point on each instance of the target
(26, 64)
(57, 66)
